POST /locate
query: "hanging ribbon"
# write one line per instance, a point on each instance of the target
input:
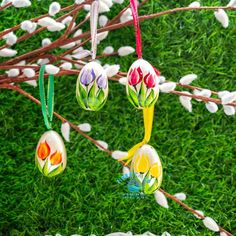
(148, 114)
(134, 9)
(47, 108)
(93, 27)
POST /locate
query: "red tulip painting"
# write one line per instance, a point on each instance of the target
(50, 154)
(142, 87)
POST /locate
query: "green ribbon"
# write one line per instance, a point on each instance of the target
(47, 108)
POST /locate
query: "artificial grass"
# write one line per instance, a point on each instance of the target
(197, 149)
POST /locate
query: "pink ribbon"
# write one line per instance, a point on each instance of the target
(134, 9)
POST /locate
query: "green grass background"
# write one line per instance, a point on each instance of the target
(197, 149)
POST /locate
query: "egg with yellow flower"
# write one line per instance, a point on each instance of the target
(147, 168)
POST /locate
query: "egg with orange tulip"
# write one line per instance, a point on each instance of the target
(142, 87)
(146, 168)
(50, 156)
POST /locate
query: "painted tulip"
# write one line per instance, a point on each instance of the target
(43, 150)
(92, 87)
(102, 81)
(142, 87)
(87, 77)
(135, 76)
(55, 158)
(147, 169)
(150, 81)
(50, 154)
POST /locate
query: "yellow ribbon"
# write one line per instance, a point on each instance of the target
(148, 114)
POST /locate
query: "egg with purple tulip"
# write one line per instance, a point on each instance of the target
(142, 87)
(92, 87)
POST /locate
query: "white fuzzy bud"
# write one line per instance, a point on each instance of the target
(161, 199)
(180, 196)
(13, 72)
(165, 234)
(54, 8)
(229, 110)
(211, 107)
(167, 87)
(118, 1)
(211, 224)
(123, 80)
(194, 4)
(31, 83)
(56, 27)
(21, 3)
(46, 42)
(103, 144)
(222, 17)
(29, 72)
(188, 79)
(228, 98)
(126, 50)
(200, 213)
(51, 69)
(125, 170)
(79, 1)
(186, 102)
(232, 3)
(103, 7)
(82, 54)
(108, 50)
(46, 21)
(66, 66)
(85, 127)
(7, 52)
(109, 3)
(10, 38)
(43, 61)
(102, 20)
(112, 70)
(68, 46)
(28, 26)
(126, 16)
(119, 154)
(65, 130)
(102, 36)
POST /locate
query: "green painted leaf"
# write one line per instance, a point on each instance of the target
(133, 97)
(45, 167)
(38, 165)
(153, 188)
(81, 95)
(56, 171)
(142, 95)
(150, 99)
(101, 95)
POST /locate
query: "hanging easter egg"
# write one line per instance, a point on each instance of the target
(92, 87)
(142, 87)
(146, 169)
(50, 154)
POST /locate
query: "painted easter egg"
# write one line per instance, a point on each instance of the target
(92, 87)
(50, 154)
(146, 169)
(142, 87)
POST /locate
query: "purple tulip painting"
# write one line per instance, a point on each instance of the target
(92, 87)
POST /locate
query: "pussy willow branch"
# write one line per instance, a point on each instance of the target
(76, 128)
(147, 17)
(34, 20)
(6, 6)
(117, 26)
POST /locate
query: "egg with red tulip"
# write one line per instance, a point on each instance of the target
(142, 86)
